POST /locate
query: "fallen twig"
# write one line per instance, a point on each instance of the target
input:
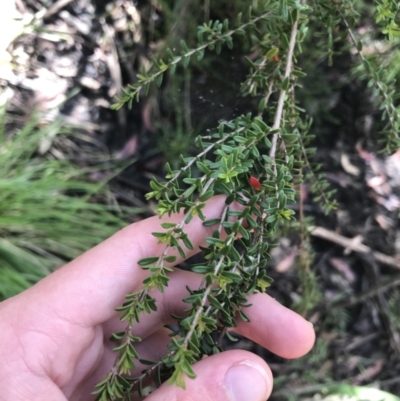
(56, 7)
(383, 307)
(346, 301)
(355, 246)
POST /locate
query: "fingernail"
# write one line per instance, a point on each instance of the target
(247, 381)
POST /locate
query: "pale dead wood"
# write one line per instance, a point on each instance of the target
(354, 246)
(56, 7)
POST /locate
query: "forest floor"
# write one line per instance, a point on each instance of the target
(68, 60)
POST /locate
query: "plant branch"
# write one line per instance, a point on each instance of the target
(282, 94)
(387, 102)
(200, 155)
(145, 81)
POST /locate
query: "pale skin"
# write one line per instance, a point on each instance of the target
(54, 337)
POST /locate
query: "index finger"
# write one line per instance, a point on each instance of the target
(95, 283)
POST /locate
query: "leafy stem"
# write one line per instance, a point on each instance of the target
(285, 86)
(217, 32)
(393, 114)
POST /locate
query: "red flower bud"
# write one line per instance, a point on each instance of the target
(275, 58)
(255, 183)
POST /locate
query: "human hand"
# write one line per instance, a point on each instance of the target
(55, 336)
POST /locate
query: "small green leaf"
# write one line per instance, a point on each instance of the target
(272, 52)
(187, 242)
(189, 191)
(148, 261)
(168, 225)
(285, 84)
(230, 336)
(244, 316)
(214, 302)
(207, 195)
(213, 222)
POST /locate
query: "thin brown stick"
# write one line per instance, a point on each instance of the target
(56, 7)
(346, 301)
(383, 307)
(348, 243)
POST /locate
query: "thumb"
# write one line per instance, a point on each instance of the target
(230, 376)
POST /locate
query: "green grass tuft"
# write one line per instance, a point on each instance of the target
(46, 214)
